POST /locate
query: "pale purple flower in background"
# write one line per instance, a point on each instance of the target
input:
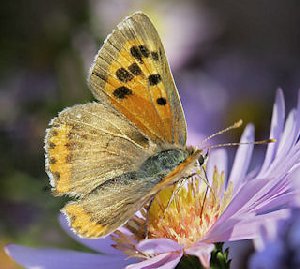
(278, 245)
(233, 207)
(205, 102)
(182, 27)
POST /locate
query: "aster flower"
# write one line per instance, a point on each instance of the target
(231, 207)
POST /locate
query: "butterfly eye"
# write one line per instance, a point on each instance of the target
(201, 160)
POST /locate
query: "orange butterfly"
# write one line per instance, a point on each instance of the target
(114, 155)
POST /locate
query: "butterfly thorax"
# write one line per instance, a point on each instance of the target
(168, 166)
(162, 163)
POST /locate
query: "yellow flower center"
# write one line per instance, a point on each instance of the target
(185, 214)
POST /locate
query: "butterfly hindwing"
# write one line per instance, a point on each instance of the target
(131, 73)
(108, 206)
(89, 144)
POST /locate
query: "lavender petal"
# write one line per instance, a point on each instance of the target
(62, 259)
(217, 158)
(161, 261)
(202, 251)
(158, 246)
(277, 124)
(242, 157)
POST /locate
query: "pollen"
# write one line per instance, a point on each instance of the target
(185, 214)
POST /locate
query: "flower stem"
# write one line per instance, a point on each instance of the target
(219, 258)
(189, 262)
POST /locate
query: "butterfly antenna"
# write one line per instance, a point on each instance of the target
(236, 125)
(265, 141)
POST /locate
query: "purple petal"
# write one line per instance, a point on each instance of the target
(289, 135)
(202, 251)
(277, 124)
(219, 231)
(276, 203)
(217, 158)
(158, 246)
(288, 153)
(298, 112)
(242, 198)
(244, 228)
(256, 195)
(242, 157)
(161, 261)
(249, 229)
(295, 176)
(62, 259)
(100, 245)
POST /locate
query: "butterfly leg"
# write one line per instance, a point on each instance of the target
(179, 185)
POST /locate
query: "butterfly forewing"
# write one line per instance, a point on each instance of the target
(131, 72)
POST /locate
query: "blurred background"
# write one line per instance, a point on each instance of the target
(228, 58)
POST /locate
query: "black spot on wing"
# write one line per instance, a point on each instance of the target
(123, 75)
(161, 101)
(144, 51)
(56, 175)
(136, 53)
(71, 145)
(51, 145)
(140, 52)
(154, 79)
(154, 55)
(135, 69)
(122, 92)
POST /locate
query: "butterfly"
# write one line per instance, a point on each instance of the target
(113, 155)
